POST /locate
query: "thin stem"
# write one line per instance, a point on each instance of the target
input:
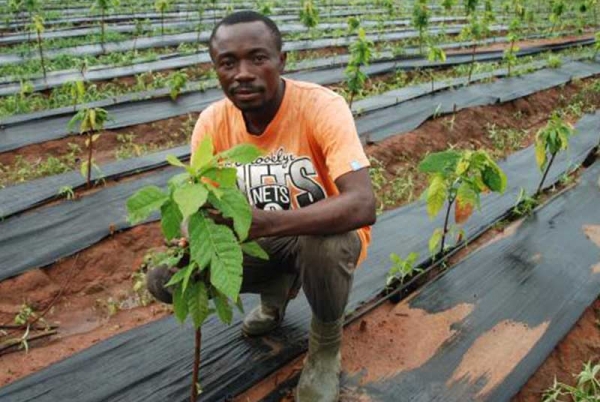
(39, 40)
(472, 63)
(198, 343)
(450, 202)
(539, 189)
(89, 166)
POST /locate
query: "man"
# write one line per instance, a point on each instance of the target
(312, 194)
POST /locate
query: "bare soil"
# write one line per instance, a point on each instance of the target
(77, 291)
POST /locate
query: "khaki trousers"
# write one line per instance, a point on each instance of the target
(322, 265)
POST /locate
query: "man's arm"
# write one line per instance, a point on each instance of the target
(353, 208)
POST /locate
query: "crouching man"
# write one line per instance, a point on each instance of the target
(312, 195)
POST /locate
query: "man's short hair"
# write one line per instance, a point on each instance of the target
(248, 16)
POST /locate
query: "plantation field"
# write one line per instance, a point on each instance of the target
(480, 121)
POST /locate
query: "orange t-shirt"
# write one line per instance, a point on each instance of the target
(311, 141)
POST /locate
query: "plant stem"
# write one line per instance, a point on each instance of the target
(39, 40)
(450, 202)
(539, 189)
(89, 166)
(472, 63)
(198, 343)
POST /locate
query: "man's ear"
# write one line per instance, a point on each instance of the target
(282, 59)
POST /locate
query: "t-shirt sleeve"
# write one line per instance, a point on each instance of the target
(336, 134)
(204, 126)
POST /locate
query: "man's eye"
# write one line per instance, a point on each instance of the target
(259, 58)
(227, 63)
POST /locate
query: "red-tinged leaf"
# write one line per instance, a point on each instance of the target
(462, 211)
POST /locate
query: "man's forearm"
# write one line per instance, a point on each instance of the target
(332, 215)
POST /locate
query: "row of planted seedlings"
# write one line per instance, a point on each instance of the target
(208, 178)
(309, 16)
(94, 119)
(27, 100)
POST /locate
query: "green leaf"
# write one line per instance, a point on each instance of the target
(176, 278)
(467, 195)
(435, 240)
(190, 197)
(198, 303)
(171, 219)
(494, 178)
(189, 270)
(203, 154)
(178, 180)
(436, 195)
(144, 202)
(233, 204)
(239, 305)
(216, 245)
(180, 305)
(173, 160)
(224, 310)
(226, 264)
(242, 153)
(200, 247)
(439, 162)
(226, 177)
(255, 250)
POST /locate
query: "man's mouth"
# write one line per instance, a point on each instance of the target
(245, 93)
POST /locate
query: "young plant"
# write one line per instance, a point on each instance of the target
(550, 140)
(177, 81)
(140, 27)
(162, 6)
(510, 53)
(420, 20)
(596, 45)
(91, 122)
(264, 7)
(77, 91)
(558, 9)
(402, 268)
(214, 271)
(457, 178)
(67, 192)
(360, 55)
(476, 30)
(435, 54)
(554, 61)
(38, 27)
(309, 15)
(587, 388)
(470, 6)
(104, 6)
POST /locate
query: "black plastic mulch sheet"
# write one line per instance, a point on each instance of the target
(154, 362)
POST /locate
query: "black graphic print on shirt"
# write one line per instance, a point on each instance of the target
(280, 181)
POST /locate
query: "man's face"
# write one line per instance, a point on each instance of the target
(248, 64)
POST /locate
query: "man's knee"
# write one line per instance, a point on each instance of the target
(337, 252)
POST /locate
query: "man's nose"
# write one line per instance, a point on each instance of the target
(245, 71)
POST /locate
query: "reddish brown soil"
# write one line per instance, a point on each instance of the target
(105, 270)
